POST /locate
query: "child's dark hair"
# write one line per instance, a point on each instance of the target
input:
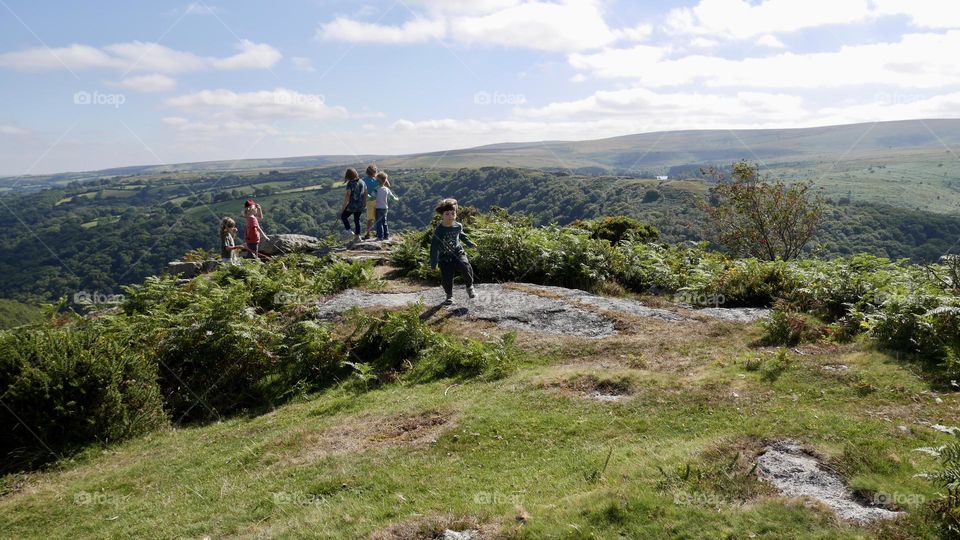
(371, 169)
(446, 205)
(351, 174)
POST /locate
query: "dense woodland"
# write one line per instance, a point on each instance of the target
(96, 236)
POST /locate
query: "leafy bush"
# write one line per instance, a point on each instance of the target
(67, 387)
(659, 267)
(790, 328)
(616, 229)
(399, 344)
(311, 358)
(743, 282)
(468, 359)
(947, 507)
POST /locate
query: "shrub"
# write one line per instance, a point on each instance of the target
(399, 344)
(616, 229)
(790, 328)
(468, 359)
(947, 507)
(311, 358)
(71, 386)
(743, 282)
(658, 267)
(390, 340)
(756, 218)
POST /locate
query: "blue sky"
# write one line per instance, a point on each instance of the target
(103, 84)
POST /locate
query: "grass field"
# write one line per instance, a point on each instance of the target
(526, 456)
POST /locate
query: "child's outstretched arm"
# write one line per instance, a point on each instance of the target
(392, 194)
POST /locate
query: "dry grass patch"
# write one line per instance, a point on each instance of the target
(362, 433)
(435, 526)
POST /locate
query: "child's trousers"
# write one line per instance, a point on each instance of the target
(449, 268)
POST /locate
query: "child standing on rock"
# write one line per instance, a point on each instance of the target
(446, 249)
(253, 232)
(228, 246)
(354, 203)
(384, 194)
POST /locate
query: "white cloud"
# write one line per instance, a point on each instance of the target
(744, 19)
(741, 19)
(7, 129)
(643, 103)
(260, 105)
(641, 32)
(922, 13)
(413, 31)
(251, 56)
(703, 43)
(137, 56)
(148, 83)
(769, 40)
(303, 64)
(567, 25)
(916, 61)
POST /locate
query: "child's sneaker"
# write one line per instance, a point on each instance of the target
(448, 301)
(357, 239)
(470, 293)
(346, 235)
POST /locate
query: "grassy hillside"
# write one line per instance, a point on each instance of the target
(13, 313)
(403, 424)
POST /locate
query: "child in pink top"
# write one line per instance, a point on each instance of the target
(252, 233)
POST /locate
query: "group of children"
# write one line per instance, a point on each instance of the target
(253, 233)
(369, 195)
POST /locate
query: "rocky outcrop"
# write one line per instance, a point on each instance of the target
(523, 306)
(191, 269)
(797, 473)
(506, 307)
(280, 244)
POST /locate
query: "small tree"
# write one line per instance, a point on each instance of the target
(767, 220)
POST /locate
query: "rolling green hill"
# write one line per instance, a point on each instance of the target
(909, 164)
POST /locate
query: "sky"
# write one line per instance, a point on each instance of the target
(99, 84)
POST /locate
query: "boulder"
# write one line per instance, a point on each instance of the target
(191, 269)
(185, 269)
(279, 244)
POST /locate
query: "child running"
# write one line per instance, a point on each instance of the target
(384, 193)
(446, 249)
(354, 203)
